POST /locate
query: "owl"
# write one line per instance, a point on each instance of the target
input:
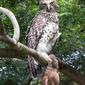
(42, 32)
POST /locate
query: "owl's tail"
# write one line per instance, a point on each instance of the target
(32, 67)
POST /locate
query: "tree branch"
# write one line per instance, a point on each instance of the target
(71, 72)
(14, 22)
(40, 57)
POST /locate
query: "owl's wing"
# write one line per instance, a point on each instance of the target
(32, 37)
(35, 31)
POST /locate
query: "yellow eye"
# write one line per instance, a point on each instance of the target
(43, 5)
(52, 3)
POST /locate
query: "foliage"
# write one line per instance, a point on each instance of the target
(70, 47)
(12, 72)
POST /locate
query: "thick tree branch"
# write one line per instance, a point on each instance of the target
(40, 57)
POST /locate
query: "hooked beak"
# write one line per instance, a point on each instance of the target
(48, 8)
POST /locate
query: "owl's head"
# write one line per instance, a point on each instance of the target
(48, 5)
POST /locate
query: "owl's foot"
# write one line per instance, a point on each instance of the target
(45, 56)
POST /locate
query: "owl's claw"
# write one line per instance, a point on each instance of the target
(45, 56)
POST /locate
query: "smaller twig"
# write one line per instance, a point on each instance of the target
(14, 22)
(8, 40)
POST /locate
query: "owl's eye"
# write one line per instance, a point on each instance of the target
(52, 3)
(43, 5)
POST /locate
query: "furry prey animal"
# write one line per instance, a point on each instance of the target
(50, 74)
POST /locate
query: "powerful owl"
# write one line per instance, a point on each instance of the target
(43, 31)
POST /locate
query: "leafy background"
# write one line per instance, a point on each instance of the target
(70, 47)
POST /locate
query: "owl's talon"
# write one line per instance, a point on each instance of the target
(45, 56)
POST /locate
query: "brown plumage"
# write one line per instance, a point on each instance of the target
(43, 32)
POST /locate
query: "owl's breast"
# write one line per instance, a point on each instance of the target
(48, 38)
(39, 21)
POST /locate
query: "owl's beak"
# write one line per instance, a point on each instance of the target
(48, 8)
